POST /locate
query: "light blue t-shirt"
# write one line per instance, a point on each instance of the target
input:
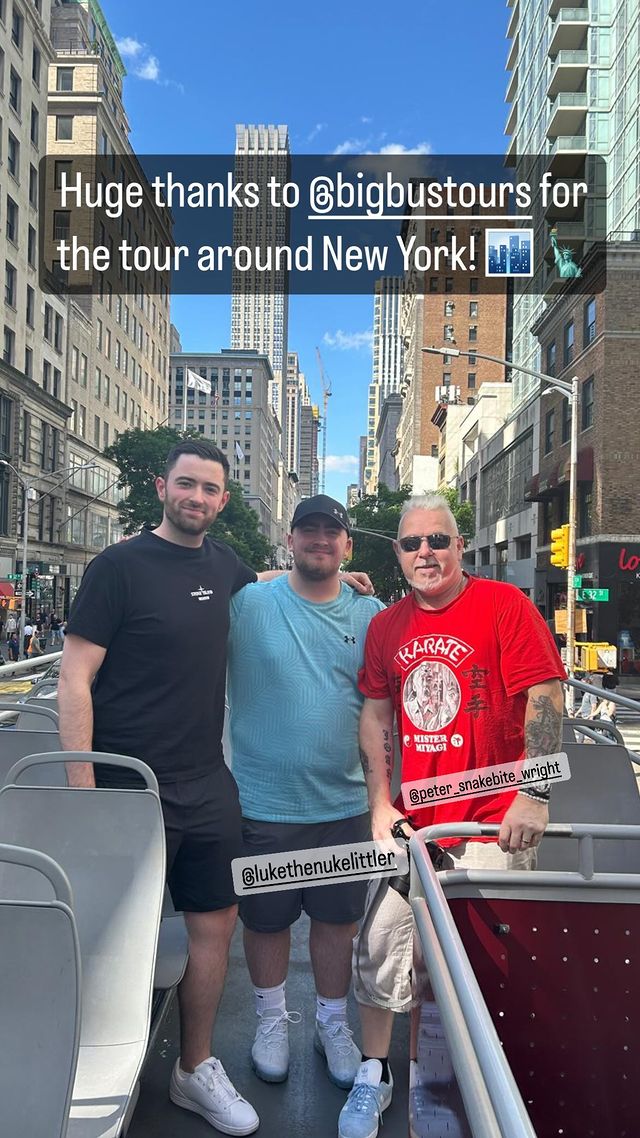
(295, 704)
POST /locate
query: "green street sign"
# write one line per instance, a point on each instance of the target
(577, 581)
(593, 594)
(14, 576)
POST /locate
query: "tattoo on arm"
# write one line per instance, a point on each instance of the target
(364, 760)
(543, 731)
(388, 754)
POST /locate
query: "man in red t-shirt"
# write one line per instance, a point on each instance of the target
(472, 675)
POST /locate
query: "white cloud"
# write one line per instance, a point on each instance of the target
(342, 463)
(349, 341)
(320, 126)
(129, 47)
(365, 119)
(150, 69)
(352, 146)
(398, 148)
(147, 65)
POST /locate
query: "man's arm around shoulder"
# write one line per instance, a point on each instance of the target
(81, 661)
(376, 756)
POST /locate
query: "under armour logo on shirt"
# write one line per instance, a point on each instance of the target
(349, 639)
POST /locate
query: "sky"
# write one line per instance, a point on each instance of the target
(345, 77)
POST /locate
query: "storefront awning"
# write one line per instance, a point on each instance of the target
(6, 589)
(545, 484)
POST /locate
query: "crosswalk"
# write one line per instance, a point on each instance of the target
(628, 723)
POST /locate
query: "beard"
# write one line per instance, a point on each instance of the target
(312, 571)
(184, 523)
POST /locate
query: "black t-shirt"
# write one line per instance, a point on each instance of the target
(162, 612)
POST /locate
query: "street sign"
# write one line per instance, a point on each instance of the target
(577, 581)
(593, 594)
(14, 576)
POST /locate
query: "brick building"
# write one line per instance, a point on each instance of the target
(591, 331)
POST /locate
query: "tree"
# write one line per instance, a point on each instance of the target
(381, 513)
(140, 457)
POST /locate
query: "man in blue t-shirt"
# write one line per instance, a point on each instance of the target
(296, 644)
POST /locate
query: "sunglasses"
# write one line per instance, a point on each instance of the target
(412, 543)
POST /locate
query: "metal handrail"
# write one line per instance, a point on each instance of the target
(16, 669)
(460, 1001)
(464, 1011)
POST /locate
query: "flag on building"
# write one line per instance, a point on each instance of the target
(197, 382)
(239, 451)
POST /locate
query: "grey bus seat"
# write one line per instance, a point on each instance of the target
(571, 730)
(110, 844)
(39, 995)
(173, 947)
(32, 716)
(14, 745)
(602, 789)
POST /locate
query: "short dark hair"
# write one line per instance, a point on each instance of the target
(202, 449)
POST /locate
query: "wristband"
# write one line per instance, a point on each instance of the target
(539, 793)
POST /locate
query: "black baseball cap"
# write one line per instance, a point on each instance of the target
(322, 504)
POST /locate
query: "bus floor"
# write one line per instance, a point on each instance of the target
(307, 1105)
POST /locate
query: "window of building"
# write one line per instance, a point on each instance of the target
(566, 420)
(471, 379)
(46, 376)
(62, 166)
(587, 403)
(13, 156)
(36, 63)
(33, 187)
(35, 125)
(448, 284)
(474, 283)
(10, 281)
(64, 128)
(523, 547)
(15, 90)
(551, 358)
(434, 450)
(48, 322)
(25, 448)
(435, 233)
(585, 509)
(31, 246)
(64, 78)
(502, 559)
(57, 335)
(12, 220)
(549, 428)
(31, 306)
(17, 26)
(449, 307)
(473, 308)
(61, 224)
(433, 284)
(485, 555)
(28, 363)
(473, 332)
(589, 321)
(448, 334)
(84, 364)
(568, 342)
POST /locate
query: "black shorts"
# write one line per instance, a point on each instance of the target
(334, 904)
(203, 829)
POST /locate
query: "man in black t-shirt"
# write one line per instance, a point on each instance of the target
(143, 673)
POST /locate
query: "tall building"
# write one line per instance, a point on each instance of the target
(297, 397)
(309, 469)
(433, 314)
(574, 95)
(33, 404)
(237, 415)
(387, 365)
(118, 342)
(260, 302)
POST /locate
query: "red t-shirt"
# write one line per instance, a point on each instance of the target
(458, 678)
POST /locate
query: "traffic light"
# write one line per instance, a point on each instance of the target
(560, 547)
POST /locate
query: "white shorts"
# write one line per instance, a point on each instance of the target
(383, 957)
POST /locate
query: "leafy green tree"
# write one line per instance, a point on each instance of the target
(380, 513)
(140, 457)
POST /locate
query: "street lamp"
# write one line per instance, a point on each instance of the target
(570, 390)
(30, 495)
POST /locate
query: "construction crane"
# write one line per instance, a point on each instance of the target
(326, 392)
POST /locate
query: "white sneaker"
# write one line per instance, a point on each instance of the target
(270, 1051)
(361, 1114)
(210, 1093)
(334, 1040)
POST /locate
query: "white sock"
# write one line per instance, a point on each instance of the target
(327, 1010)
(270, 1000)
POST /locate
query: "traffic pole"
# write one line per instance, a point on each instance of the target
(571, 567)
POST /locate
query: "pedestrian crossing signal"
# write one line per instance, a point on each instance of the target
(560, 547)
